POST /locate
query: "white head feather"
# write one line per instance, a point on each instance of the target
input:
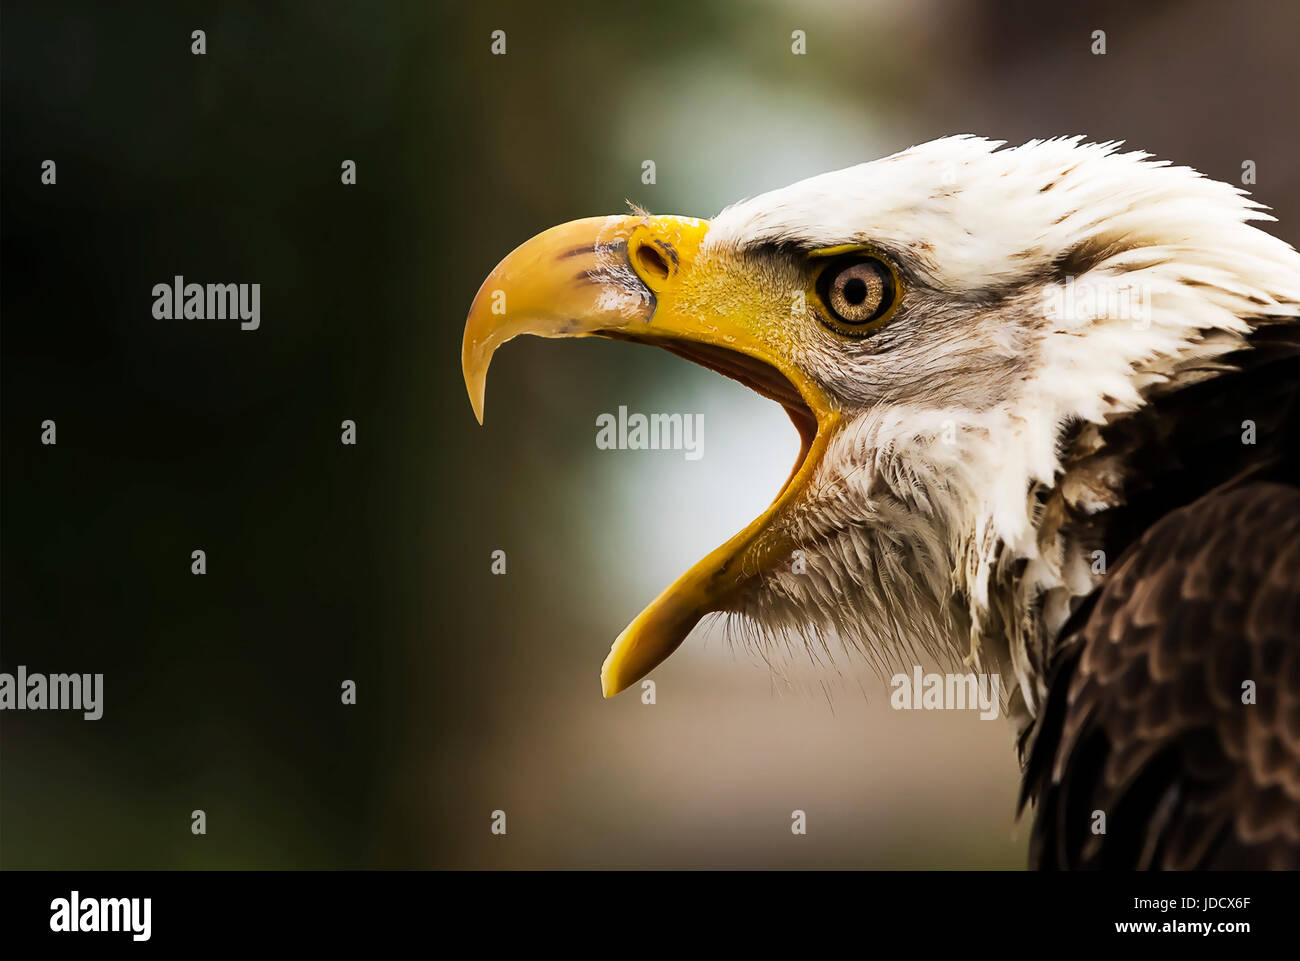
(1060, 283)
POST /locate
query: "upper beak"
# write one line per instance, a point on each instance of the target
(644, 279)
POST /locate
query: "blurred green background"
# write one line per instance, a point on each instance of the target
(475, 692)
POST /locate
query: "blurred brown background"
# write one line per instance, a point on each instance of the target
(476, 692)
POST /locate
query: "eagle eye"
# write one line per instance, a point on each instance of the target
(858, 290)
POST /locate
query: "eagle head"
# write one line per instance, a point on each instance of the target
(953, 330)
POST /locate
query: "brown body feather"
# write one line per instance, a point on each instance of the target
(1146, 720)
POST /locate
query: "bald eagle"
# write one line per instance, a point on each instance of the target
(1047, 402)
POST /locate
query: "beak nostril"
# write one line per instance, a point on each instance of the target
(652, 262)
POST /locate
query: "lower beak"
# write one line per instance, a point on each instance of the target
(645, 279)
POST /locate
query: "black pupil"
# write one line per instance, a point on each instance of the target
(855, 290)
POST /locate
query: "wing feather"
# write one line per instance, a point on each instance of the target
(1148, 719)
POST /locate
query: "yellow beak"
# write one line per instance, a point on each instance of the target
(652, 280)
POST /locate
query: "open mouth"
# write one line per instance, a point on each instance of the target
(760, 377)
(623, 278)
